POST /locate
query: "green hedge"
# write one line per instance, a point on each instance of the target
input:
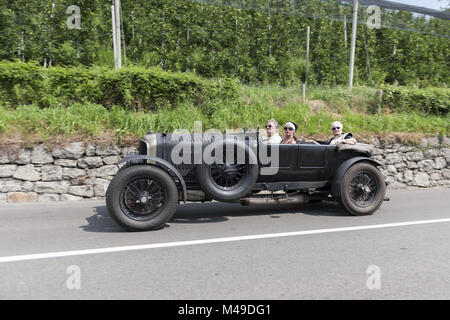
(133, 87)
(434, 101)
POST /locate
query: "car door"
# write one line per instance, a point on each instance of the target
(299, 162)
(282, 163)
(312, 160)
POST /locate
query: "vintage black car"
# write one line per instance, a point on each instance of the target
(173, 168)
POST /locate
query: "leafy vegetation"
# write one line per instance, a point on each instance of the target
(133, 87)
(187, 60)
(255, 46)
(426, 101)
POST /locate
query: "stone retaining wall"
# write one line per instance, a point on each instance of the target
(74, 172)
(79, 171)
(426, 165)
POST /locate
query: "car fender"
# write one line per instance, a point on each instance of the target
(342, 169)
(138, 159)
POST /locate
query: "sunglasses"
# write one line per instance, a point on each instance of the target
(337, 128)
(288, 129)
(269, 126)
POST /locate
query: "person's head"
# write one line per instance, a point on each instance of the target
(271, 127)
(336, 128)
(289, 129)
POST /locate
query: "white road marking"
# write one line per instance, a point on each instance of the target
(208, 241)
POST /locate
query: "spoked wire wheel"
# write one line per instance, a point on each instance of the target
(362, 189)
(227, 179)
(228, 176)
(142, 198)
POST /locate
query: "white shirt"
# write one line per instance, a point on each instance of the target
(273, 139)
(340, 138)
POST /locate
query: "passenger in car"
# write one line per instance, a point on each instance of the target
(289, 130)
(339, 137)
(272, 130)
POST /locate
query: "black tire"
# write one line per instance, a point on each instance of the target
(362, 189)
(228, 182)
(142, 197)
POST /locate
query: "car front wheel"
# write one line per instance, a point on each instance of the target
(362, 189)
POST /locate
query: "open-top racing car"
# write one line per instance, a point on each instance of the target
(180, 167)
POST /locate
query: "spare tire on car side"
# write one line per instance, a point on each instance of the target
(225, 178)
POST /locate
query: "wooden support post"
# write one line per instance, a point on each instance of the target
(117, 23)
(353, 43)
(380, 95)
(304, 93)
(113, 19)
(307, 54)
(379, 98)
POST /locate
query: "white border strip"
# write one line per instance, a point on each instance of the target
(207, 241)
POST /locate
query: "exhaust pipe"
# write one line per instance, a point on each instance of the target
(296, 199)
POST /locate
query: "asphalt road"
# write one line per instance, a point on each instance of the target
(221, 251)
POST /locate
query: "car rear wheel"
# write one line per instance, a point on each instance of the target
(142, 197)
(362, 189)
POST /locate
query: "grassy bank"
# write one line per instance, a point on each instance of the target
(359, 110)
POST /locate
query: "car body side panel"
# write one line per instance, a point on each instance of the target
(302, 162)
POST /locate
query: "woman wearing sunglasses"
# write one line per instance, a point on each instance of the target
(339, 137)
(289, 130)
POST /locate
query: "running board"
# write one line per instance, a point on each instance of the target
(273, 186)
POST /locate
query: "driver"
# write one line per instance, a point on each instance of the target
(339, 137)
